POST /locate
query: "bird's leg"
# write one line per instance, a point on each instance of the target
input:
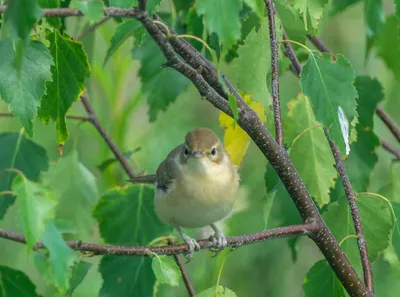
(218, 239)
(193, 245)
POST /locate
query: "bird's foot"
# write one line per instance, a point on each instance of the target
(219, 242)
(193, 247)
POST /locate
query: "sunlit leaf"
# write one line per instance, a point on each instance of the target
(166, 270)
(217, 291)
(92, 9)
(69, 73)
(253, 64)
(36, 204)
(329, 85)
(15, 283)
(258, 6)
(23, 90)
(13, 154)
(236, 141)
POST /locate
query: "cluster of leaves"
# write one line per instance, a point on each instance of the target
(42, 75)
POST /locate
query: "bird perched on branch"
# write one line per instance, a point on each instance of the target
(196, 186)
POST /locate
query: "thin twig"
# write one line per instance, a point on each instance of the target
(320, 45)
(79, 118)
(352, 200)
(388, 147)
(175, 249)
(185, 275)
(390, 123)
(275, 73)
(93, 27)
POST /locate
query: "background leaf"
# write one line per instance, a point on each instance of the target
(15, 283)
(166, 270)
(14, 149)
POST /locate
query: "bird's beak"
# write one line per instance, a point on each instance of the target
(197, 154)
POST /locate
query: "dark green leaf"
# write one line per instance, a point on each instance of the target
(36, 204)
(253, 63)
(122, 33)
(126, 216)
(233, 107)
(13, 154)
(374, 20)
(222, 18)
(14, 283)
(23, 90)
(166, 270)
(22, 14)
(69, 73)
(161, 85)
(76, 190)
(257, 6)
(322, 281)
(329, 85)
(57, 267)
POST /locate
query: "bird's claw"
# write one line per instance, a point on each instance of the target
(219, 243)
(193, 247)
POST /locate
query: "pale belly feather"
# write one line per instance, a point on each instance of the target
(193, 202)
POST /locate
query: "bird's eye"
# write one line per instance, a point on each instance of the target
(213, 151)
(186, 152)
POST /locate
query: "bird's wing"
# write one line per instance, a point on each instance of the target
(168, 169)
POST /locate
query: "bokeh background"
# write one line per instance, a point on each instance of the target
(271, 268)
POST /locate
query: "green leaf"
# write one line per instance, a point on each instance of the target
(217, 291)
(166, 270)
(391, 189)
(257, 6)
(253, 64)
(221, 17)
(312, 12)
(57, 267)
(69, 73)
(122, 33)
(126, 216)
(93, 10)
(106, 163)
(161, 85)
(374, 20)
(13, 154)
(322, 281)
(79, 272)
(36, 204)
(55, 22)
(377, 224)
(23, 89)
(65, 227)
(388, 44)
(15, 283)
(123, 3)
(76, 190)
(22, 14)
(233, 107)
(396, 228)
(338, 6)
(329, 85)
(309, 150)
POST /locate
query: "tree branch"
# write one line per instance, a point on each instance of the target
(175, 249)
(390, 123)
(93, 27)
(388, 147)
(79, 118)
(351, 197)
(275, 73)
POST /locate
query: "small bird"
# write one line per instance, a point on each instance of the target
(196, 186)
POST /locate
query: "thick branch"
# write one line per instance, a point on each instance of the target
(237, 241)
(275, 73)
(351, 197)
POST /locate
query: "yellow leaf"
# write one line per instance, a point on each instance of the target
(236, 141)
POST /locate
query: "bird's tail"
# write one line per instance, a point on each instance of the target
(144, 179)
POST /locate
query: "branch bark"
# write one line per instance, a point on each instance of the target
(388, 147)
(389, 122)
(175, 249)
(275, 73)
